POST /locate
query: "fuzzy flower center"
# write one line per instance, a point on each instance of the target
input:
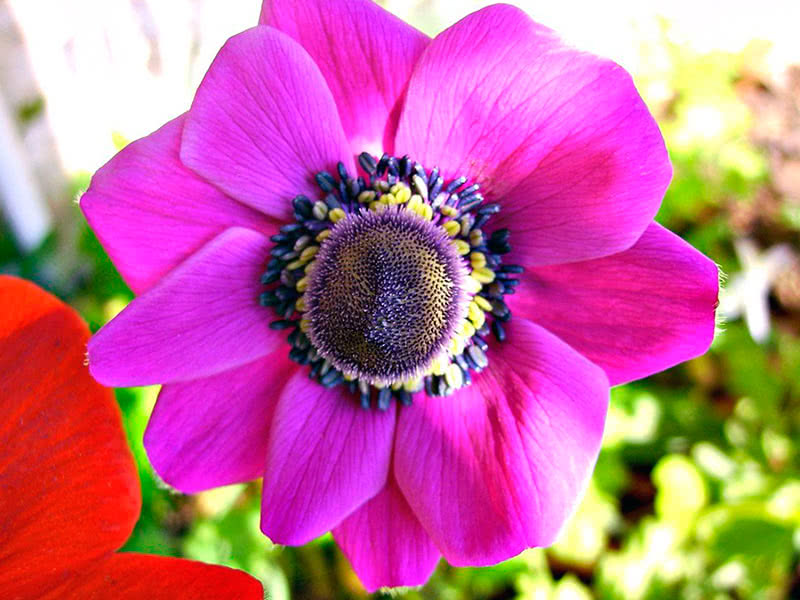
(389, 282)
(385, 297)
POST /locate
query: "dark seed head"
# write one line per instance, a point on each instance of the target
(386, 295)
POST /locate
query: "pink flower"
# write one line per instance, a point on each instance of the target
(415, 290)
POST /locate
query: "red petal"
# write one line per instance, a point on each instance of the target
(145, 577)
(69, 491)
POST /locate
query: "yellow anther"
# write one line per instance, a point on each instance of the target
(377, 206)
(467, 330)
(295, 264)
(402, 195)
(348, 376)
(309, 267)
(305, 325)
(453, 376)
(426, 212)
(476, 314)
(483, 274)
(452, 228)
(387, 199)
(475, 237)
(302, 285)
(366, 196)
(336, 215)
(439, 365)
(413, 385)
(300, 304)
(472, 285)
(473, 311)
(477, 260)
(461, 246)
(416, 198)
(320, 210)
(397, 385)
(448, 211)
(482, 303)
(323, 235)
(457, 345)
(310, 252)
(478, 319)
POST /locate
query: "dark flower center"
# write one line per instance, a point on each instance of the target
(386, 296)
(389, 283)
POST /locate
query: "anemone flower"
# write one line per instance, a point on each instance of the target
(69, 490)
(328, 249)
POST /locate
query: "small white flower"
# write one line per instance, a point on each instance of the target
(747, 293)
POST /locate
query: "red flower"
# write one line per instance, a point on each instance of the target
(69, 492)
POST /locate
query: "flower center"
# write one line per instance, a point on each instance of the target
(386, 296)
(388, 282)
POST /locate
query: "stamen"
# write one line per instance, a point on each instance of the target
(388, 282)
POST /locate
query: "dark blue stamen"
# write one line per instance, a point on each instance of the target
(489, 209)
(498, 331)
(383, 163)
(455, 184)
(467, 204)
(436, 188)
(367, 162)
(325, 181)
(332, 378)
(512, 269)
(480, 221)
(469, 191)
(404, 396)
(302, 206)
(384, 397)
(393, 167)
(332, 201)
(419, 170)
(478, 341)
(268, 299)
(291, 228)
(299, 356)
(405, 167)
(270, 276)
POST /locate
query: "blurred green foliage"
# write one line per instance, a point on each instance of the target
(696, 493)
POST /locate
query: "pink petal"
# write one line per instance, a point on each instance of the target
(385, 542)
(263, 123)
(201, 319)
(366, 55)
(499, 466)
(214, 431)
(326, 457)
(560, 137)
(150, 212)
(634, 313)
